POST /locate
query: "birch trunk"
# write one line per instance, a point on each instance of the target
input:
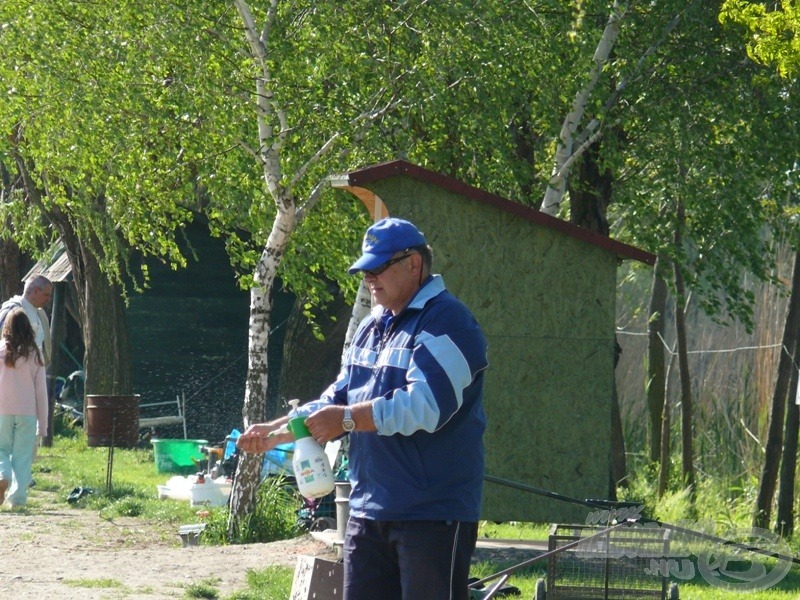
(361, 309)
(248, 472)
(565, 152)
(273, 131)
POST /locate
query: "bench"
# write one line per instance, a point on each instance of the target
(177, 418)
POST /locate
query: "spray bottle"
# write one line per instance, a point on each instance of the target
(312, 470)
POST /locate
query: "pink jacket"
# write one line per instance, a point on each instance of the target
(23, 389)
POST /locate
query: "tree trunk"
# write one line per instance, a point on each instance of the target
(361, 308)
(656, 368)
(590, 195)
(664, 458)
(785, 519)
(10, 254)
(10, 269)
(687, 437)
(566, 152)
(769, 473)
(107, 364)
(107, 354)
(619, 467)
(784, 525)
(248, 472)
(58, 316)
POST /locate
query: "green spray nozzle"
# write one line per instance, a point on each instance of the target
(298, 428)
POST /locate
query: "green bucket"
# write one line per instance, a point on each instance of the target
(178, 456)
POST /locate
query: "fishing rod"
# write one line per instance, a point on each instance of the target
(610, 504)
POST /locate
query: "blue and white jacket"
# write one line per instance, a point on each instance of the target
(424, 371)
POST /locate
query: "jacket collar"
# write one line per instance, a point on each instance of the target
(432, 287)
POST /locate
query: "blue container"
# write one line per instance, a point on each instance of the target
(278, 461)
(230, 445)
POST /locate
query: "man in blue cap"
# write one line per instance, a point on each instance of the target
(410, 395)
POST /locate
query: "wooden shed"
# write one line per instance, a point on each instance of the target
(544, 292)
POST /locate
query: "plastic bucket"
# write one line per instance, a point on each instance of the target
(112, 420)
(177, 456)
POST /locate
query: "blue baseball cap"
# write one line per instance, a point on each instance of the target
(383, 240)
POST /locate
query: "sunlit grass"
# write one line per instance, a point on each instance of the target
(94, 583)
(206, 589)
(514, 530)
(272, 583)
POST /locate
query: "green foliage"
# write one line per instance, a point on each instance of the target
(273, 518)
(773, 33)
(64, 425)
(133, 119)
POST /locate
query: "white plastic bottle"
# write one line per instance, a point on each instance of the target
(310, 464)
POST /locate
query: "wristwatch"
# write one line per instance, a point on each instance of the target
(347, 422)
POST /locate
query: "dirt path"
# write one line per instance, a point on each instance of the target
(55, 552)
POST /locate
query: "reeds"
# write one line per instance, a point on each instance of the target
(733, 373)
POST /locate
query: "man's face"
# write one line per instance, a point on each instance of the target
(40, 297)
(393, 287)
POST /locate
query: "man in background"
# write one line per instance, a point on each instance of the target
(35, 296)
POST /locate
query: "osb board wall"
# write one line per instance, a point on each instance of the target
(546, 304)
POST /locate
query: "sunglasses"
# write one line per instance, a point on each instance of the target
(386, 265)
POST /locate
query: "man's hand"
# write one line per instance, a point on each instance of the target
(262, 437)
(326, 424)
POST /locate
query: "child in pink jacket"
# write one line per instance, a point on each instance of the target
(23, 406)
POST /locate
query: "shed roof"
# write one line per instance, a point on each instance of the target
(355, 179)
(55, 265)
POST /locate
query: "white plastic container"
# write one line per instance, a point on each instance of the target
(211, 492)
(312, 469)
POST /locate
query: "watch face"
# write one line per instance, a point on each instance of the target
(347, 423)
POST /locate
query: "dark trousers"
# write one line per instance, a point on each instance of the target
(407, 560)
